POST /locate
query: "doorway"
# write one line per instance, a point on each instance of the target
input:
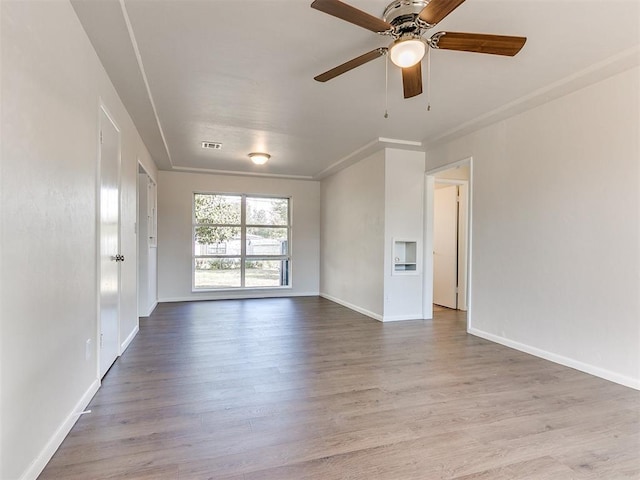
(147, 243)
(447, 238)
(450, 243)
(109, 242)
(445, 245)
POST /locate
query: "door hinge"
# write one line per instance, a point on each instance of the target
(101, 336)
(100, 137)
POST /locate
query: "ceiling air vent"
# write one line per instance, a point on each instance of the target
(212, 145)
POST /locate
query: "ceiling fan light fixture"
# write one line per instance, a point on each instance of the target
(259, 158)
(408, 51)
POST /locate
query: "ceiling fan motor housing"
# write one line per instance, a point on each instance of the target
(403, 15)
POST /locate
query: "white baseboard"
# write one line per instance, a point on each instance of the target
(562, 360)
(37, 466)
(151, 309)
(129, 339)
(236, 296)
(400, 318)
(351, 306)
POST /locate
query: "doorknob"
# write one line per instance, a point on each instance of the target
(117, 258)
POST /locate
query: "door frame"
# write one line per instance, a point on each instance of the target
(151, 302)
(102, 108)
(429, 203)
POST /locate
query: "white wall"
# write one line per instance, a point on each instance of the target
(364, 208)
(403, 204)
(352, 236)
(175, 213)
(52, 83)
(556, 245)
(462, 172)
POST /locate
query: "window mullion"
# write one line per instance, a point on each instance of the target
(243, 238)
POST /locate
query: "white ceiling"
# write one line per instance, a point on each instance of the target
(241, 73)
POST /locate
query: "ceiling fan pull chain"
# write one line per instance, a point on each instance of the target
(428, 78)
(386, 86)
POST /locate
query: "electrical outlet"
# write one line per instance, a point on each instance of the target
(88, 352)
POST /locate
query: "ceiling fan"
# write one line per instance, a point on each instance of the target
(406, 22)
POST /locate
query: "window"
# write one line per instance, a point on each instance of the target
(240, 241)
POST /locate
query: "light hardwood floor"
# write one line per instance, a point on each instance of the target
(302, 388)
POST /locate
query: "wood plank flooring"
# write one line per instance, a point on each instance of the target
(303, 388)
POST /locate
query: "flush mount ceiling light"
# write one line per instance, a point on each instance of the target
(259, 158)
(407, 51)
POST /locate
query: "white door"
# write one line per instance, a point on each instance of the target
(445, 246)
(110, 258)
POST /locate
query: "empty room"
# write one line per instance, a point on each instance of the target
(320, 239)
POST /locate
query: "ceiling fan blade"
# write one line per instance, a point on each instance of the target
(352, 15)
(350, 65)
(478, 42)
(438, 9)
(412, 80)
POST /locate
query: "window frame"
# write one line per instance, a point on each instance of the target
(243, 256)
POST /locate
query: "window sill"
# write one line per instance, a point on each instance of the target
(239, 289)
